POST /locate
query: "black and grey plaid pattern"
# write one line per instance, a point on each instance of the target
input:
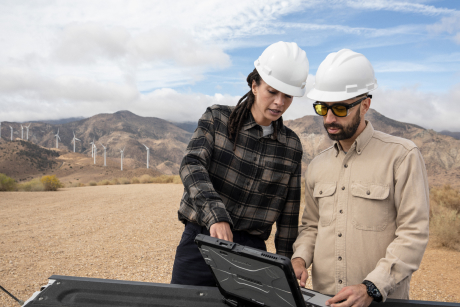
(251, 188)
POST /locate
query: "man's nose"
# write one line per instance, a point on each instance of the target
(330, 117)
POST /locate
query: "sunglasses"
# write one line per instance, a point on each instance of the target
(338, 109)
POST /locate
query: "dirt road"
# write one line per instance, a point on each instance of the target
(128, 232)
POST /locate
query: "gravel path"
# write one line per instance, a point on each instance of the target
(128, 232)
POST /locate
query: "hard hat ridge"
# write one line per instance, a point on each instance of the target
(343, 75)
(284, 66)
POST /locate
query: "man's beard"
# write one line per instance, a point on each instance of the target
(348, 131)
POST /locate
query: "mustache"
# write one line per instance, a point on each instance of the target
(333, 125)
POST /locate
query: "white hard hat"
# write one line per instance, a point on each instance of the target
(343, 75)
(284, 66)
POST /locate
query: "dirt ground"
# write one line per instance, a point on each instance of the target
(129, 232)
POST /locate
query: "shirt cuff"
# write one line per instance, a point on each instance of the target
(217, 214)
(383, 281)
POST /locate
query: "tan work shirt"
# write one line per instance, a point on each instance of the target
(366, 215)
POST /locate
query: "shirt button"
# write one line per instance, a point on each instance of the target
(247, 183)
(340, 258)
(343, 188)
(341, 211)
(340, 281)
(320, 192)
(255, 158)
(368, 192)
(340, 234)
(346, 165)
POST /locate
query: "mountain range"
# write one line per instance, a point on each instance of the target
(167, 141)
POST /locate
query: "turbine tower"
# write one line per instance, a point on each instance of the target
(92, 148)
(27, 132)
(0, 130)
(57, 137)
(95, 151)
(74, 141)
(104, 154)
(148, 154)
(22, 132)
(121, 151)
(11, 133)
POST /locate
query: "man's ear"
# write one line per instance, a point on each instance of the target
(366, 104)
(254, 87)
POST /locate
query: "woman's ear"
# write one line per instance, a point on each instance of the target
(254, 87)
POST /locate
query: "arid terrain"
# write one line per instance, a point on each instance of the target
(129, 232)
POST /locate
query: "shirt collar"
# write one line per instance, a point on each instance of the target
(361, 141)
(250, 123)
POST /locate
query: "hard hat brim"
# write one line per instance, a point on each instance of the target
(280, 86)
(324, 96)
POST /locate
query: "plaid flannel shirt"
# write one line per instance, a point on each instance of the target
(251, 188)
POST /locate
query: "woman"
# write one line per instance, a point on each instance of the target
(242, 168)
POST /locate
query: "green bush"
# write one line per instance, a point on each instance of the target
(103, 182)
(51, 183)
(124, 180)
(32, 186)
(7, 183)
(93, 183)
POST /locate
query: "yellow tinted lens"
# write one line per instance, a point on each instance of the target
(339, 110)
(320, 109)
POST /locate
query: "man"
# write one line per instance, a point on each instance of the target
(365, 224)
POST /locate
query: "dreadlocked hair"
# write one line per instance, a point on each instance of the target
(242, 110)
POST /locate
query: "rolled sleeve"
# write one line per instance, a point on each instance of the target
(404, 254)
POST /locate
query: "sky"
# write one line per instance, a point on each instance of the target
(172, 59)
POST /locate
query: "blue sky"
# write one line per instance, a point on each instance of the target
(172, 59)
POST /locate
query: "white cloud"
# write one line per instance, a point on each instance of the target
(449, 25)
(429, 110)
(397, 6)
(401, 66)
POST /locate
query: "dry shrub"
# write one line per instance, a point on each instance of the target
(7, 183)
(145, 179)
(103, 182)
(445, 216)
(124, 180)
(93, 183)
(77, 185)
(446, 197)
(31, 186)
(135, 180)
(51, 183)
(166, 179)
(115, 181)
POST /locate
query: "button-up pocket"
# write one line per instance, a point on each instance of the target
(370, 206)
(325, 193)
(275, 179)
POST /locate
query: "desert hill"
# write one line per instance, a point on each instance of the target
(116, 131)
(167, 143)
(23, 160)
(441, 152)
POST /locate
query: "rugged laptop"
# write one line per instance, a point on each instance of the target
(251, 277)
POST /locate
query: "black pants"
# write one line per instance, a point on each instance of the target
(189, 266)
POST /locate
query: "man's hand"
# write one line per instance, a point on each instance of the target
(355, 296)
(298, 264)
(221, 230)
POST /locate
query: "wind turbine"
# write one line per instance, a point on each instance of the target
(0, 130)
(11, 133)
(92, 148)
(74, 141)
(95, 151)
(22, 132)
(104, 153)
(148, 154)
(28, 132)
(122, 150)
(57, 137)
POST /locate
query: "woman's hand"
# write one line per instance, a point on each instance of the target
(221, 230)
